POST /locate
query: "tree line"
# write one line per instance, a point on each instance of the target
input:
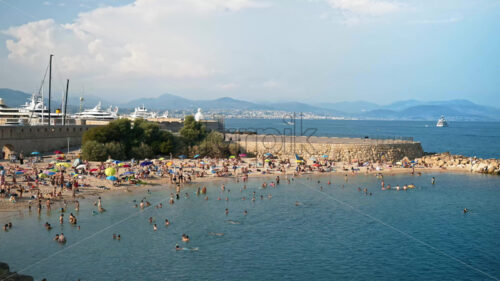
(124, 139)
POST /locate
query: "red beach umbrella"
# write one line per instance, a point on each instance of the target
(58, 152)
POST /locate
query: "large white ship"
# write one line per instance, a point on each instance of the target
(442, 122)
(97, 113)
(142, 112)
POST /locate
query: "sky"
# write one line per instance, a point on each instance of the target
(311, 51)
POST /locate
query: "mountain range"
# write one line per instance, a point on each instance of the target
(401, 110)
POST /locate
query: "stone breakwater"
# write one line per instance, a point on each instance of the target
(449, 161)
(337, 149)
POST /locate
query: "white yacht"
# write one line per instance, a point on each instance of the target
(142, 112)
(97, 113)
(32, 112)
(442, 122)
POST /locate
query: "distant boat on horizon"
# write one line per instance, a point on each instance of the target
(442, 122)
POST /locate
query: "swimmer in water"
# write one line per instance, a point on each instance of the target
(155, 228)
(119, 237)
(185, 238)
(433, 180)
(227, 211)
(466, 210)
(245, 213)
(177, 247)
(167, 223)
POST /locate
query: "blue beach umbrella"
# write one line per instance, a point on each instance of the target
(324, 156)
(268, 154)
(127, 173)
(146, 163)
(19, 172)
(111, 178)
(35, 153)
(196, 156)
(116, 162)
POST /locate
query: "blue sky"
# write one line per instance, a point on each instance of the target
(301, 50)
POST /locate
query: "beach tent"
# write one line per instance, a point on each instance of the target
(110, 171)
(79, 167)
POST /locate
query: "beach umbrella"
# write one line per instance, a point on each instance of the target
(170, 163)
(111, 178)
(19, 172)
(58, 152)
(182, 156)
(121, 164)
(79, 167)
(202, 163)
(49, 173)
(161, 158)
(196, 156)
(93, 170)
(109, 160)
(232, 157)
(146, 163)
(77, 162)
(268, 154)
(110, 171)
(42, 175)
(116, 162)
(127, 173)
(35, 153)
(324, 156)
(60, 158)
(316, 165)
(63, 164)
(126, 166)
(242, 155)
(267, 160)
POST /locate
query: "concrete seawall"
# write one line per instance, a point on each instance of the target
(27, 139)
(338, 149)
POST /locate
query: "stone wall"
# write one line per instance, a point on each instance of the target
(338, 149)
(27, 139)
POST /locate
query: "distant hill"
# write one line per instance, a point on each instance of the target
(400, 110)
(355, 107)
(458, 110)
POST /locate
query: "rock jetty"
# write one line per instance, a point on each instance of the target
(6, 275)
(450, 161)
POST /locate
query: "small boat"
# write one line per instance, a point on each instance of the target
(442, 122)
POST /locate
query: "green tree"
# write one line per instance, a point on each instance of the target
(94, 151)
(214, 145)
(115, 150)
(142, 151)
(193, 131)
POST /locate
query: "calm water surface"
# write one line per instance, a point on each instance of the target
(337, 234)
(481, 139)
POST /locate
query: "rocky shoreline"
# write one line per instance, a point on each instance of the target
(6, 275)
(450, 161)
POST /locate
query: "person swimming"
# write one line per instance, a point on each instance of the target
(155, 228)
(167, 223)
(185, 238)
(466, 210)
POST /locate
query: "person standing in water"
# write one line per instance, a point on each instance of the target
(433, 180)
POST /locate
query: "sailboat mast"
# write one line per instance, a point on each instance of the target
(50, 84)
(65, 102)
(43, 104)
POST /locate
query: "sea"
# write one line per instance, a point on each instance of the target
(295, 231)
(306, 229)
(480, 139)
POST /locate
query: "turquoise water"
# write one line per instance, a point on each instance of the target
(465, 138)
(335, 234)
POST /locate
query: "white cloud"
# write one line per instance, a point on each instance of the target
(140, 39)
(227, 86)
(365, 7)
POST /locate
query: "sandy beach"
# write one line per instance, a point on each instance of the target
(90, 182)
